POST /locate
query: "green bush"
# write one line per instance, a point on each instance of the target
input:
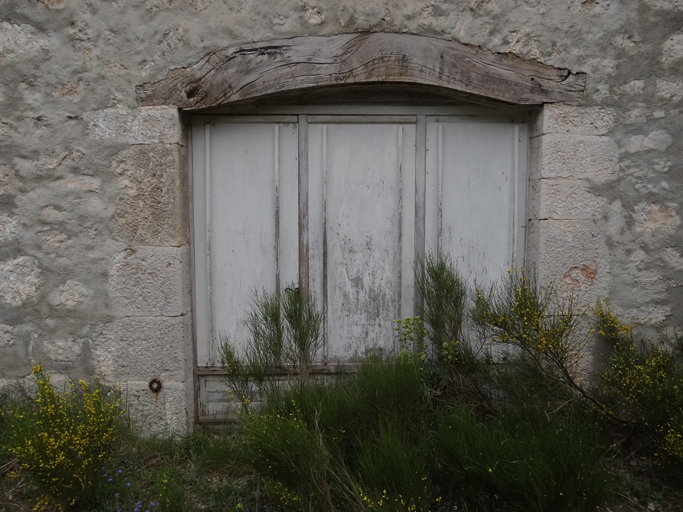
(394, 472)
(291, 457)
(63, 440)
(525, 460)
(285, 334)
(645, 384)
(445, 296)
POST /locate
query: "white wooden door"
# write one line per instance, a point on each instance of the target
(343, 205)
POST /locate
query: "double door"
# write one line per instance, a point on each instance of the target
(341, 206)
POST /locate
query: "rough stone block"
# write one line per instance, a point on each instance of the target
(151, 281)
(574, 156)
(152, 205)
(65, 350)
(20, 280)
(20, 42)
(672, 91)
(9, 228)
(558, 118)
(70, 295)
(14, 353)
(145, 125)
(573, 255)
(169, 411)
(563, 199)
(139, 348)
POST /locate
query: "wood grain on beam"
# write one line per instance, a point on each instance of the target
(271, 67)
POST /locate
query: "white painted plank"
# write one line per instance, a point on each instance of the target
(316, 189)
(202, 318)
(362, 230)
(407, 220)
(243, 226)
(520, 201)
(478, 197)
(288, 157)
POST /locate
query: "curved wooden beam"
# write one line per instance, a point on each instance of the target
(270, 67)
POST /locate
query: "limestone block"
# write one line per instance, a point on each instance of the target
(673, 258)
(70, 295)
(9, 228)
(574, 156)
(572, 254)
(656, 217)
(65, 350)
(19, 42)
(563, 199)
(138, 348)
(658, 139)
(145, 125)
(672, 91)
(151, 281)
(672, 49)
(20, 279)
(152, 206)
(14, 355)
(668, 5)
(169, 411)
(559, 118)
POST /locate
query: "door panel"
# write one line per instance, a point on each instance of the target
(249, 182)
(356, 230)
(472, 182)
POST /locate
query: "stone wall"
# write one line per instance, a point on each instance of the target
(94, 270)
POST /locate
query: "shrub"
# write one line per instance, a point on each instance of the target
(62, 440)
(525, 460)
(393, 472)
(541, 328)
(647, 383)
(285, 332)
(292, 458)
(444, 293)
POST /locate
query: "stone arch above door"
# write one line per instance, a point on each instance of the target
(267, 68)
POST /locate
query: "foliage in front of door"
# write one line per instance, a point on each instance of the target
(494, 419)
(285, 338)
(492, 416)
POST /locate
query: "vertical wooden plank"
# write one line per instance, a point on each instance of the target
(478, 204)
(276, 176)
(439, 205)
(420, 200)
(407, 221)
(433, 186)
(325, 292)
(303, 207)
(288, 192)
(363, 259)
(399, 248)
(193, 272)
(522, 144)
(207, 198)
(243, 238)
(201, 313)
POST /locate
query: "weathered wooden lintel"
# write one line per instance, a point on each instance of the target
(271, 67)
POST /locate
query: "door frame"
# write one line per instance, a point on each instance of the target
(303, 115)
